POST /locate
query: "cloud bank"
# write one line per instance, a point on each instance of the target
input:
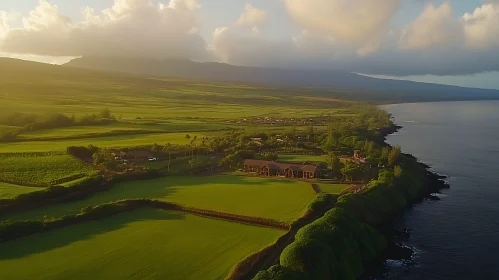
(355, 35)
(128, 28)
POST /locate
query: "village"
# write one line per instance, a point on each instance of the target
(280, 121)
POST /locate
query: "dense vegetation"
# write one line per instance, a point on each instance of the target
(32, 122)
(341, 243)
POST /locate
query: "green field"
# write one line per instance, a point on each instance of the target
(178, 165)
(76, 91)
(302, 158)
(142, 244)
(333, 188)
(41, 169)
(104, 142)
(128, 128)
(277, 199)
(8, 191)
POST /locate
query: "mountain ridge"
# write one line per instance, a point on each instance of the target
(323, 79)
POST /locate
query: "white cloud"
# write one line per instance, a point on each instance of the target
(355, 35)
(251, 17)
(5, 18)
(304, 51)
(128, 28)
(358, 23)
(482, 26)
(435, 27)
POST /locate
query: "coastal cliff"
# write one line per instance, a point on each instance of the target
(345, 241)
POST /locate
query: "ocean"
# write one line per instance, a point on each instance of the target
(456, 237)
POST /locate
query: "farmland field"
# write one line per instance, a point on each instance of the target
(333, 188)
(104, 142)
(41, 169)
(10, 191)
(277, 199)
(123, 128)
(142, 244)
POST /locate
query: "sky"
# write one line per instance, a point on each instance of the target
(451, 42)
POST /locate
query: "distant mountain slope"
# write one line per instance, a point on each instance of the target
(372, 88)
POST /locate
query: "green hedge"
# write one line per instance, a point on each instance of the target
(14, 229)
(80, 190)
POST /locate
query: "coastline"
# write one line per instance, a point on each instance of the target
(395, 251)
(350, 241)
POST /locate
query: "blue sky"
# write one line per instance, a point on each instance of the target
(279, 24)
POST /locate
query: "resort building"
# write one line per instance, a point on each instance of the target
(279, 169)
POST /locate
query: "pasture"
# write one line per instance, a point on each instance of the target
(142, 244)
(8, 191)
(277, 199)
(41, 169)
(333, 188)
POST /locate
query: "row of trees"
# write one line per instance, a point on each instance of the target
(32, 122)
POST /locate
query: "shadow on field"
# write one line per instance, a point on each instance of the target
(160, 188)
(58, 238)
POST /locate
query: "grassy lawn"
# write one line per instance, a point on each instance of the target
(252, 196)
(142, 244)
(42, 169)
(104, 142)
(10, 191)
(333, 188)
(302, 158)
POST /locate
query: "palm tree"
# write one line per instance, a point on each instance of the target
(168, 146)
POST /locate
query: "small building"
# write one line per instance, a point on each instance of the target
(359, 158)
(279, 169)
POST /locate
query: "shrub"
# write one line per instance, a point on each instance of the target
(278, 272)
(83, 153)
(320, 202)
(310, 257)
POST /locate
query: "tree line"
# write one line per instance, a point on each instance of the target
(32, 122)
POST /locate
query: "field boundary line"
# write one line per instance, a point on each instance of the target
(8, 228)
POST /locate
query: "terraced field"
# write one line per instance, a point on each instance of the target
(278, 199)
(142, 244)
(41, 169)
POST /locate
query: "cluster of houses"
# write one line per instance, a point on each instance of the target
(287, 170)
(320, 120)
